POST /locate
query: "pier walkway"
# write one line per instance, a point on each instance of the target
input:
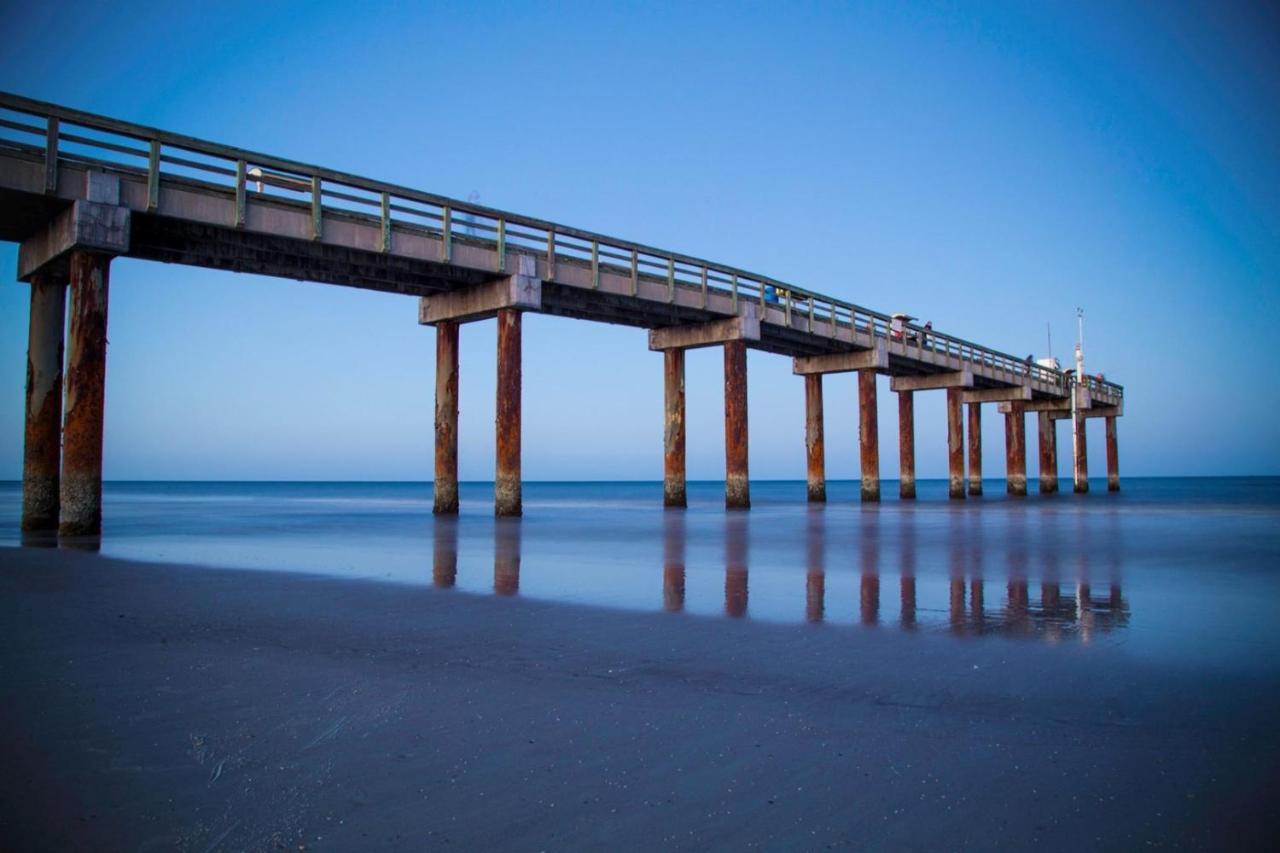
(78, 189)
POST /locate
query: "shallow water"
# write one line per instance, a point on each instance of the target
(1180, 568)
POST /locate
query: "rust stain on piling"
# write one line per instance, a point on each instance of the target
(673, 459)
(507, 500)
(737, 491)
(975, 449)
(955, 445)
(868, 436)
(1113, 456)
(1048, 454)
(43, 434)
(906, 445)
(814, 442)
(446, 477)
(81, 481)
(1015, 444)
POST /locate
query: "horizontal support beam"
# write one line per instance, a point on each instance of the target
(996, 395)
(934, 381)
(89, 226)
(1095, 412)
(876, 358)
(522, 291)
(745, 327)
(1060, 404)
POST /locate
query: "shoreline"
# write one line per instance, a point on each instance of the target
(154, 706)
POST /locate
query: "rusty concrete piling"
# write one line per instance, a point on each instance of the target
(81, 480)
(1015, 447)
(1048, 431)
(445, 485)
(975, 449)
(506, 485)
(737, 491)
(1080, 455)
(674, 493)
(1113, 456)
(955, 446)
(906, 445)
(868, 436)
(814, 443)
(42, 448)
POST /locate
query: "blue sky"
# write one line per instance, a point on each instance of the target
(987, 167)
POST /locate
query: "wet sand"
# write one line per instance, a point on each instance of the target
(151, 707)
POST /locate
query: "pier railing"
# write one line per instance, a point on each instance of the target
(73, 136)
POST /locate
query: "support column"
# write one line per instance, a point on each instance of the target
(445, 484)
(81, 481)
(1080, 475)
(814, 444)
(975, 449)
(868, 436)
(955, 446)
(1113, 456)
(42, 449)
(906, 445)
(506, 483)
(1048, 454)
(737, 492)
(673, 461)
(1015, 448)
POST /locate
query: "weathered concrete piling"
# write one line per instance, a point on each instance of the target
(737, 490)
(814, 443)
(1113, 456)
(42, 451)
(506, 482)
(906, 446)
(1048, 436)
(955, 446)
(1015, 442)
(975, 449)
(868, 435)
(81, 481)
(674, 492)
(1080, 470)
(446, 474)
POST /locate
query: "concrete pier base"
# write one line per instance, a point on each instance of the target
(955, 446)
(1113, 457)
(445, 485)
(1080, 455)
(975, 449)
(906, 445)
(1048, 434)
(506, 486)
(1015, 450)
(868, 436)
(674, 493)
(42, 449)
(81, 480)
(737, 491)
(814, 444)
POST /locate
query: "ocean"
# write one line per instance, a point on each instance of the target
(1182, 569)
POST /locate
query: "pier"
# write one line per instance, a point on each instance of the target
(78, 189)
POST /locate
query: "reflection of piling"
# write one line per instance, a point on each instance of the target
(977, 603)
(907, 573)
(816, 563)
(735, 566)
(673, 557)
(444, 564)
(956, 610)
(506, 556)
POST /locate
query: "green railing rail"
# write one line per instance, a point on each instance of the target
(74, 136)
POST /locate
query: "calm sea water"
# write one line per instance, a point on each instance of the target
(1180, 568)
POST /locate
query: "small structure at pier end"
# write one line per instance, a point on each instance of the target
(78, 189)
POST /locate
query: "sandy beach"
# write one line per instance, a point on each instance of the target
(154, 707)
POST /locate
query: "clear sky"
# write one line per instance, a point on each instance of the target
(987, 166)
